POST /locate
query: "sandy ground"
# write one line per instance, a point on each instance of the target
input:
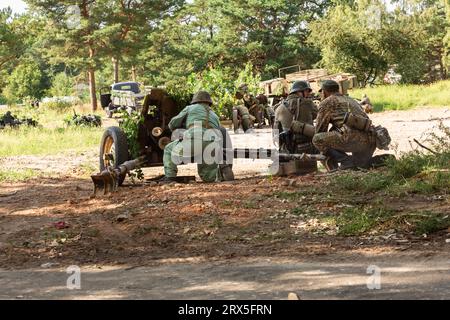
(401, 277)
(207, 241)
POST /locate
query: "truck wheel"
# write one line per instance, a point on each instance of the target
(113, 149)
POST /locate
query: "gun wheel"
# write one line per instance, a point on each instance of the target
(113, 150)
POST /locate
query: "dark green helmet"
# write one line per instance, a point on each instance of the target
(202, 97)
(300, 86)
(330, 85)
(243, 88)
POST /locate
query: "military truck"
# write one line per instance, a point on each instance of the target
(278, 88)
(126, 96)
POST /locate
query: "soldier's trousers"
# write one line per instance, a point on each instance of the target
(178, 152)
(361, 144)
(244, 113)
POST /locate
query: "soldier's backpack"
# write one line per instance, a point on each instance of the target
(383, 137)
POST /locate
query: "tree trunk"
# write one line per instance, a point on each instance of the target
(91, 74)
(133, 73)
(116, 69)
(92, 89)
(442, 66)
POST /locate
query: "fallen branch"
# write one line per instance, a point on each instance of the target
(426, 148)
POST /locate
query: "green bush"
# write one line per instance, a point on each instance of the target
(130, 125)
(221, 83)
(25, 81)
(58, 105)
(62, 85)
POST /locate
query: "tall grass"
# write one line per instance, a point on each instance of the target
(51, 137)
(404, 97)
(42, 141)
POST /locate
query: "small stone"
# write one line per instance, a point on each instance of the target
(447, 240)
(122, 217)
(49, 265)
(293, 296)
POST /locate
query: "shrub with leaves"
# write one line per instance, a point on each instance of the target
(221, 83)
(129, 123)
(62, 85)
(24, 81)
(58, 105)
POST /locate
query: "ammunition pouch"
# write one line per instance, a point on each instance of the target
(304, 129)
(357, 122)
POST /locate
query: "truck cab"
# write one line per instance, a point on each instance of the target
(126, 96)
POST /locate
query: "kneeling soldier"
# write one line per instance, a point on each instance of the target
(296, 112)
(343, 137)
(197, 119)
(251, 110)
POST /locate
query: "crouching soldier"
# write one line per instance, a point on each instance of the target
(201, 141)
(351, 130)
(295, 118)
(251, 110)
(366, 104)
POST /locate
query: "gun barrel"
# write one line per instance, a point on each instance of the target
(256, 154)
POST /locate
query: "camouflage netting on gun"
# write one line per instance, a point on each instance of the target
(84, 120)
(9, 120)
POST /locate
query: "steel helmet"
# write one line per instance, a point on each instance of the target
(330, 85)
(300, 86)
(202, 97)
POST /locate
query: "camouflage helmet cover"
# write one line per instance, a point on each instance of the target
(300, 86)
(202, 97)
(330, 85)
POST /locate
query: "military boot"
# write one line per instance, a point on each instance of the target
(246, 124)
(336, 157)
(167, 180)
(226, 172)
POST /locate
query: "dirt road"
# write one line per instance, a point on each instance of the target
(335, 277)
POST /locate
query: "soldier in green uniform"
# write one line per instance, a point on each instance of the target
(295, 111)
(197, 118)
(340, 139)
(251, 110)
